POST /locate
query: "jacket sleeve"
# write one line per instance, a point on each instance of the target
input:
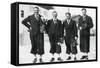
(47, 26)
(75, 29)
(42, 26)
(90, 24)
(79, 24)
(25, 22)
(61, 29)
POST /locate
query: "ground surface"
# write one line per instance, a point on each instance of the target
(26, 57)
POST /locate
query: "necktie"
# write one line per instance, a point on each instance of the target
(68, 21)
(37, 17)
(55, 21)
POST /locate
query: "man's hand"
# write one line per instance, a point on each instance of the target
(76, 38)
(59, 43)
(80, 28)
(29, 30)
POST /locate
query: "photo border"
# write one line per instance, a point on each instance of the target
(48, 4)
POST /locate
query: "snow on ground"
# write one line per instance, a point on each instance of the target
(26, 57)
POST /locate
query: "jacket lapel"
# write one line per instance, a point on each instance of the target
(69, 22)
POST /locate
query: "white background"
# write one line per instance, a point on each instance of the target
(5, 33)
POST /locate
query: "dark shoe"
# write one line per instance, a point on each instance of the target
(52, 60)
(75, 58)
(69, 58)
(60, 59)
(41, 61)
(35, 60)
(83, 57)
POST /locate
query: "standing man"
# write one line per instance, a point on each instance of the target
(35, 26)
(54, 30)
(69, 26)
(85, 24)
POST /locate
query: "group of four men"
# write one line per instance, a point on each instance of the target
(57, 31)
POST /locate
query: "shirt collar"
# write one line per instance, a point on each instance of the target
(84, 16)
(68, 20)
(54, 19)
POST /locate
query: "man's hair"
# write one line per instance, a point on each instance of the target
(36, 7)
(54, 12)
(83, 9)
(68, 13)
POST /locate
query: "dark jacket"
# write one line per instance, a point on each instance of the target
(54, 31)
(71, 29)
(33, 23)
(89, 24)
(52, 28)
(85, 33)
(71, 32)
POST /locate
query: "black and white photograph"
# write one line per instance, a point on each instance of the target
(55, 33)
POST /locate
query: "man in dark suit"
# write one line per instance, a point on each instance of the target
(35, 26)
(54, 30)
(85, 24)
(70, 33)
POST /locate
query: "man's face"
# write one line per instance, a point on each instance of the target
(84, 12)
(54, 14)
(68, 16)
(36, 10)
